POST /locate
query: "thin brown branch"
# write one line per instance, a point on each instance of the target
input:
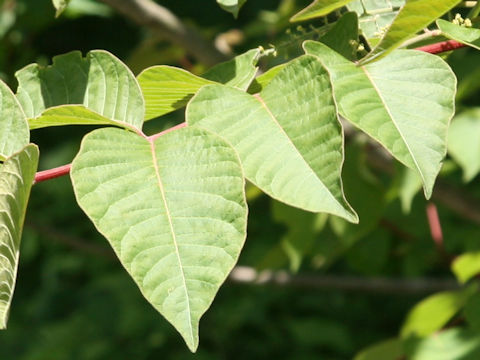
(165, 24)
(373, 285)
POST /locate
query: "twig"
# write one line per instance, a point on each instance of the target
(164, 23)
(52, 173)
(375, 285)
(441, 47)
(421, 37)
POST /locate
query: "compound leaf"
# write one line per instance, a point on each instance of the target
(167, 88)
(288, 137)
(100, 82)
(405, 102)
(16, 179)
(173, 208)
(14, 134)
(414, 16)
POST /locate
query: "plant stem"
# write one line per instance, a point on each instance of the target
(52, 173)
(421, 37)
(441, 47)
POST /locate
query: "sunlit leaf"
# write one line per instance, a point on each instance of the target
(318, 8)
(14, 133)
(173, 209)
(464, 142)
(468, 36)
(261, 81)
(456, 343)
(16, 179)
(404, 101)
(466, 266)
(288, 137)
(167, 88)
(100, 82)
(232, 6)
(414, 16)
(432, 313)
(60, 5)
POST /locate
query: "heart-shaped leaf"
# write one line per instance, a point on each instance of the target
(288, 137)
(167, 88)
(405, 102)
(99, 84)
(173, 208)
(16, 179)
(14, 134)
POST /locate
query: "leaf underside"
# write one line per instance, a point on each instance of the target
(404, 101)
(288, 137)
(99, 82)
(16, 179)
(173, 210)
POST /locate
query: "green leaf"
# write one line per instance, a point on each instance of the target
(14, 133)
(410, 185)
(464, 144)
(452, 344)
(432, 313)
(168, 88)
(232, 6)
(100, 82)
(238, 72)
(467, 36)
(318, 8)
(472, 311)
(466, 266)
(413, 17)
(288, 137)
(173, 208)
(16, 179)
(391, 349)
(60, 5)
(343, 36)
(261, 81)
(404, 101)
(375, 16)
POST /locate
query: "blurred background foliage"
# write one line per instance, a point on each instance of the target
(73, 300)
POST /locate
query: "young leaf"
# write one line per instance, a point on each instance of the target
(167, 88)
(14, 133)
(432, 313)
(467, 36)
(405, 102)
(60, 5)
(464, 144)
(413, 17)
(173, 208)
(100, 82)
(317, 9)
(288, 137)
(232, 6)
(466, 266)
(16, 179)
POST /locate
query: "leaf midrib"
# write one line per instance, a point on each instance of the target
(172, 231)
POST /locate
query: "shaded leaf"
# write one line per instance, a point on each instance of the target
(343, 36)
(472, 311)
(288, 137)
(405, 102)
(318, 8)
(432, 313)
(468, 36)
(14, 133)
(100, 82)
(261, 81)
(410, 185)
(167, 88)
(232, 6)
(414, 16)
(173, 209)
(391, 349)
(16, 179)
(464, 142)
(466, 266)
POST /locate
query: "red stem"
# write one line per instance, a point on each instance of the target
(441, 47)
(65, 169)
